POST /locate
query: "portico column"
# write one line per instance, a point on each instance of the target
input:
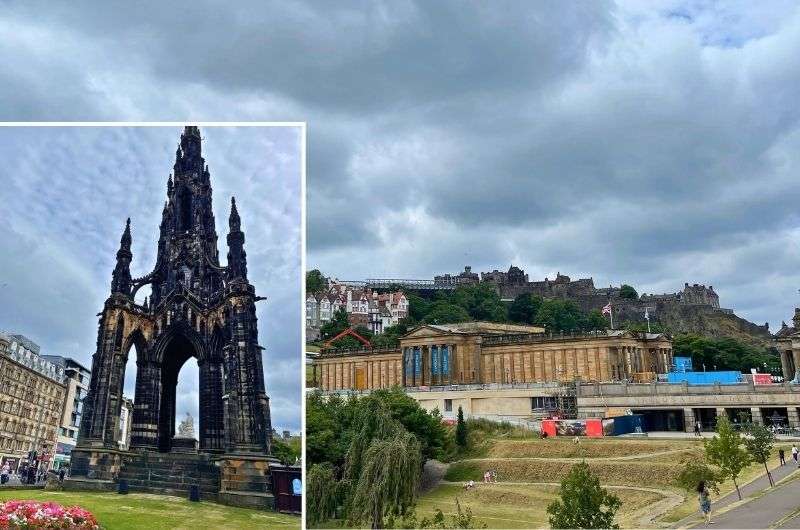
(403, 372)
(787, 374)
(628, 367)
(796, 359)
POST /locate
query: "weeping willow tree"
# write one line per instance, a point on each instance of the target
(321, 494)
(388, 481)
(376, 422)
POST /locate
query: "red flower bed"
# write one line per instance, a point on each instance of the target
(32, 514)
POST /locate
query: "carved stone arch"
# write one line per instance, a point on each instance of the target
(174, 330)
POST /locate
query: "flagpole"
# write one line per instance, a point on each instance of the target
(611, 314)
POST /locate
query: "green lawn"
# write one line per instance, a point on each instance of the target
(519, 506)
(156, 512)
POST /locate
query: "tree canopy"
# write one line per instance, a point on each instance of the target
(315, 282)
(369, 451)
(725, 354)
(726, 452)
(628, 292)
(582, 503)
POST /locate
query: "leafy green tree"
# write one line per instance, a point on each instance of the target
(316, 283)
(418, 306)
(285, 452)
(389, 479)
(726, 452)
(595, 320)
(696, 472)
(582, 503)
(321, 496)
(560, 315)
(725, 353)
(628, 292)
(524, 308)
(481, 301)
(338, 323)
(446, 313)
(426, 426)
(461, 430)
(759, 445)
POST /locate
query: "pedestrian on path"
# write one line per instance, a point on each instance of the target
(704, 498)
(782, 456)
(794, 454)
(4, 473)
(698, 429)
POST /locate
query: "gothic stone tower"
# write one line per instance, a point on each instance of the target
(197, 308)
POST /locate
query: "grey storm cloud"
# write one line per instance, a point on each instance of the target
(66, 192)
(643, 142)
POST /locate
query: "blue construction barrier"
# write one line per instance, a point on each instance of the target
(705, 378)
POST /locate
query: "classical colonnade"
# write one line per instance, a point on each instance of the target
(428, 364)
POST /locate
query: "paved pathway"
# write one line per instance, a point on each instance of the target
(758, 513)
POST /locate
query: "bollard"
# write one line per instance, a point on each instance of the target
(194, 493)
(122, 487)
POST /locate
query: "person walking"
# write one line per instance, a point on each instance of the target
(794, 454)
(61, 472)
(4, 473)
(782, 456)
(704, 499)
(698, 429)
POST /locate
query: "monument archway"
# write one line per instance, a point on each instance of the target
(197, 309)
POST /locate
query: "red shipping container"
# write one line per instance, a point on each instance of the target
(549, 427)
(594, 428)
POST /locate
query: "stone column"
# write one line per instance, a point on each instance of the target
(628, 365)
(796, 359)
(787, 374)
(755, 415)
(721, 412)
(794, 419)
(688, 419)
(403, 360)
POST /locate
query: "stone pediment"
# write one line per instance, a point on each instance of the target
(426, 331)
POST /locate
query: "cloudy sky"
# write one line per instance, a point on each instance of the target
(651, 143)
(66, 193)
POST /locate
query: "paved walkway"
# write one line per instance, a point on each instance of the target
(758, 513)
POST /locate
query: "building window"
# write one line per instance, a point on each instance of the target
(540, 403)
(448, 405)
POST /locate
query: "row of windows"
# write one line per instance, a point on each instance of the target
(10, 425)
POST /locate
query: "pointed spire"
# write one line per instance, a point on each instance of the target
(125, 240)
(234, 222)
(144, 304)
(169, 185)
(237, 258)
(121, 277)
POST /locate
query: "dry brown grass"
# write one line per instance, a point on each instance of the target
(626, 472)
(587, 448)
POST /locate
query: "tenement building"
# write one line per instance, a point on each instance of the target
(31, 401)
(76, 378)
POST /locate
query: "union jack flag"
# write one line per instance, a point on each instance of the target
(607, 309)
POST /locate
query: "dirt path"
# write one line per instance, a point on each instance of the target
(432, 474)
